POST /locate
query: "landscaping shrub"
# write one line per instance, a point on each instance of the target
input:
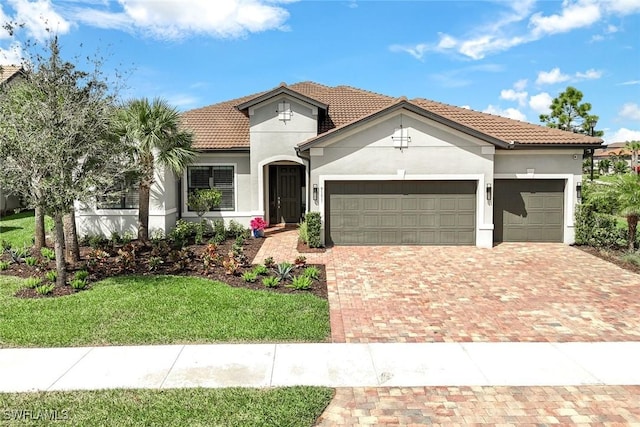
(311, 272)
(236, 229)
(303, 232)
(183, 232)
(45, 289)
(250, 276)
(4, 265)
(48, 253)
(283, 270)
(313, 229)
(271, 282)
(300, 283)
(597, 229)
(32, 282)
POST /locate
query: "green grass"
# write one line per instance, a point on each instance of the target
(291, 406)
(159, 310)
(18, 229)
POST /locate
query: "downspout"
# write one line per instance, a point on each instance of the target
(179, 197)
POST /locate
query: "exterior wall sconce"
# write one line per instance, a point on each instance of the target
(315, 192)
(579, 191)
(489, 192)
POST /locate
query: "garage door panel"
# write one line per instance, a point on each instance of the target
(529, 210)
(401, 212)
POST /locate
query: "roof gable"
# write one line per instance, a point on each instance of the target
(9, 72)
(280, 90)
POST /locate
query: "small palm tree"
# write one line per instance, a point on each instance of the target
(154, 135)
(625, 189)
(603, 166)
(634, 147)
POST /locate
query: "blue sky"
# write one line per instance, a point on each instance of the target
(503, 57)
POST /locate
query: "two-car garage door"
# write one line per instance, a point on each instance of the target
(400, 212)
(440, 212)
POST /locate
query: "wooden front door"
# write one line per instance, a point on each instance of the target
(285, 194)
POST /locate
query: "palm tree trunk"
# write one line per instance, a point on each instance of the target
(40, 239)
(72, 248)
(143, 212)
(632, 223)
(61, 267)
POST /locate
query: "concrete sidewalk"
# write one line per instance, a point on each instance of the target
(335, 365)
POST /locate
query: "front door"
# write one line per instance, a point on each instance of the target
(285, 194)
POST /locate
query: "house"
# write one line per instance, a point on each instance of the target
(9, 74)
(378, 169)
(616, 151)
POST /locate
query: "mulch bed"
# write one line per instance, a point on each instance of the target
(614, 256)
(192, 265)
(303, 248)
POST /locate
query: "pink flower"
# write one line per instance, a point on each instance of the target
(258, 223)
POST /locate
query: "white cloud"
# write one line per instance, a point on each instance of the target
(629, 83)
(510, 113)
(38, 17)
(582, 13)
(622, 135)
(508, 29)
(11, 56)
(630, 111)
(621, 7)
(416, 51)
(540, 103)
(513, 95)
(520, 85)
(176, 19)
(551, 77)
(589, 74)
(556, 76)
(466, 107)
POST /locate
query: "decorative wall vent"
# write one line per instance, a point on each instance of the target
(284, 111)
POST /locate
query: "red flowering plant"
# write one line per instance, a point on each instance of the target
(258, 223)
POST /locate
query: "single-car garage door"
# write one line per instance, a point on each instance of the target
(528, 210)
(400, 212)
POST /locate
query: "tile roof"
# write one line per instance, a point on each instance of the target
(223, 126)
(8, 71)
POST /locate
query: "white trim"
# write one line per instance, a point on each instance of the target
(538, 152)
(478, 178)
(185, 187)
(273, 159)
(569, 194)
(224, 214)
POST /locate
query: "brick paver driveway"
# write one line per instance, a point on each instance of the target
(512, 292)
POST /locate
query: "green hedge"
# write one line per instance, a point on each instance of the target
(598, 229)
(313, 229)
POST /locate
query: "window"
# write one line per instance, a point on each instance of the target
(219, 177)
(121, 196)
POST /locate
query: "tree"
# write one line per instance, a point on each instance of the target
(625, 190)
(152, 131)
(634, 147)
(55, 144)
(204, 200)
(620, 167)
(604, 165)
(569, 114)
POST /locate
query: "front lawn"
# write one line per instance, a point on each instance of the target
(18, 229)
(291, 406)
(137, 310)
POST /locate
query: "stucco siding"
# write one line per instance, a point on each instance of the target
(275, 140)
(433, 153)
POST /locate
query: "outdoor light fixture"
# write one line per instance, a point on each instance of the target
(315, 192)
(489, 192)
(579, 190)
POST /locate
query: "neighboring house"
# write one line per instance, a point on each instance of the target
(380, 170)
(9, 74)
(613, 151)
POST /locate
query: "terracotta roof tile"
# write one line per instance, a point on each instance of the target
(222, 126)
(8, 71)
